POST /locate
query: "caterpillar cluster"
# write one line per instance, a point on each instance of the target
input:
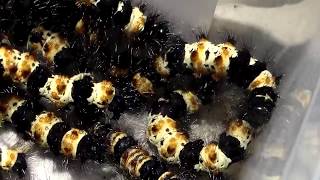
(111, 55)
(51, 132)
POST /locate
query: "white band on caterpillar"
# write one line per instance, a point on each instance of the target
(115, 137)
(212, 159)
(102, 94)
(8, 158)
(133, 159)
(160, 127)
(264, 79)
(137, 21)
(41, 127)
(56, 90)
(205, 57)
(171, 147)
(192, 101)
(70, 141)
(17, 65)
(240, 130)
(163, 133)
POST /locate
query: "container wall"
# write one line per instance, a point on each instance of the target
(189, 16)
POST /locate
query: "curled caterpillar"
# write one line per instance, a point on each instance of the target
(174, 146)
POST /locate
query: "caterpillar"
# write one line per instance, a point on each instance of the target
(80, 89)
(49, 131)
(173, 144)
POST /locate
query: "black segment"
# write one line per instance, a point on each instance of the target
(117, 106)
(87, 115)
(178, 105)
(100, 131)
(126, 97)
(37, 79)
(186, 82)
(205, 89)
(23, 117)
(152, 40)
(64, 59)
(89, 148)
(175, 107)
(122, 145)
(263, 91)
(55, 136)
(152, 169)
(20, 165)
(1, 68)
(122, 18)
(241, 73)
(36, 37)
(257, 116)
(260, 105)
(82, 90)
(230, 146)
(189, 156)
(163, 107)
(175, 56)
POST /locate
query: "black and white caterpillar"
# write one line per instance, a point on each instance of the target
(49, 131)
(224, 60)
(80, 89)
